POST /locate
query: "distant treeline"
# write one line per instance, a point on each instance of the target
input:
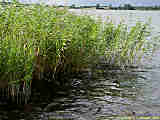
(148, 8)
(130, 7)
(124, 7)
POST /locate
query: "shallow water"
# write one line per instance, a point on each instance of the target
(108, 92)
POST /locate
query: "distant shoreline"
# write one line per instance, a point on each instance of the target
(110, 7)
(116, 8)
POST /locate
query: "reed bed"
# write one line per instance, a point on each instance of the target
(45, 43)
(126, 46)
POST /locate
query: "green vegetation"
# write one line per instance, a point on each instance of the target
(125, 47)
(73, 6)
(39, 40)
(42, 42)
(98, 6)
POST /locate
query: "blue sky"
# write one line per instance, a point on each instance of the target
(94, 2)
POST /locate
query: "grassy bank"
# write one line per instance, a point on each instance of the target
(43, 42)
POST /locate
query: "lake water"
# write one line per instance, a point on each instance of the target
(146, 85)
(99, 97)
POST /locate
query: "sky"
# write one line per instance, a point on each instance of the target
(94, 2)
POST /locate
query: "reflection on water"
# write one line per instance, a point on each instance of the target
(107, 92)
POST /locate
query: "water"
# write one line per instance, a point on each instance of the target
(99, 96)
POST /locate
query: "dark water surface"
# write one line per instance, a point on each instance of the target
(106, 93)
